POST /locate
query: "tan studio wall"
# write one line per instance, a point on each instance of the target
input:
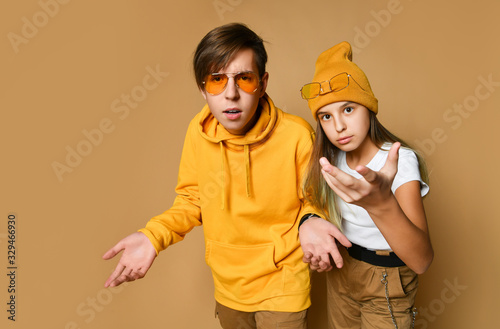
(73, 78)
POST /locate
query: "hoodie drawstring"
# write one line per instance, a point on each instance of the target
(223, 175)
(247, 167)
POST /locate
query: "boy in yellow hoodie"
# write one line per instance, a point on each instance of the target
(240, 175)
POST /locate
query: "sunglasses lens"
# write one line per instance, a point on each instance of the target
(248, 82)
(310, 90)
(339, 82)
(215, 83)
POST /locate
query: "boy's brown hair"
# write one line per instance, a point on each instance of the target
(218, 46)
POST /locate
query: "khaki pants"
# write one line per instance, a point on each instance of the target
(357, 295)
(232, 319)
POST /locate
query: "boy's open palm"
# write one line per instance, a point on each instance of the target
(371, 190)
(318, 238)
(138, 255)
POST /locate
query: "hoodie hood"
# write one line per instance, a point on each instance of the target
(214, 132)
(210, 128)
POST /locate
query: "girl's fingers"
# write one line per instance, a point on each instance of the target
(341, 177)
(391, 165)
(335, 186)
(324, 162)
(349, 191)
(369, 175)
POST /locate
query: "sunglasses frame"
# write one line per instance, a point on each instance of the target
(232, 75)
(322, 92)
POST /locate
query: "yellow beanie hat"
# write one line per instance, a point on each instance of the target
(338, 60)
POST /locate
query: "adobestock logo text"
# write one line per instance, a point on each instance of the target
(121, 106)
(455, 115)
(31, 26)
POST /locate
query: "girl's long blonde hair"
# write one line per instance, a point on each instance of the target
(316, 190)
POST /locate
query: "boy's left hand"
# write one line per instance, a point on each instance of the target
(318, 238)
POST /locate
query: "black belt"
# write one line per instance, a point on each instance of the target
(371, 257)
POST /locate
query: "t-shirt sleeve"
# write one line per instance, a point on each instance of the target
(408, 170)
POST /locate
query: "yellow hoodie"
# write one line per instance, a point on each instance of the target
(246, 192)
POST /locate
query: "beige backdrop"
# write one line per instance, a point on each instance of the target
(95, 99)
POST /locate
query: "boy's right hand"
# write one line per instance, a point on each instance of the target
(138, 255)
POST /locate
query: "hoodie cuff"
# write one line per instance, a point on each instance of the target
(306, 217)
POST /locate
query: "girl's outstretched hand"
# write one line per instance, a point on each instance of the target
(368, 192)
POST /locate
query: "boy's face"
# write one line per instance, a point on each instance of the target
(234, 108)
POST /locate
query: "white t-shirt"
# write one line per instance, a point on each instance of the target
(358, 226)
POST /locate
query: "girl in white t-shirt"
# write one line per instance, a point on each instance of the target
(369, 184)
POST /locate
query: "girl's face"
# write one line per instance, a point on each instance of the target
(346, 124)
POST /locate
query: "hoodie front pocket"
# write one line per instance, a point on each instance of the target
(242, 271)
